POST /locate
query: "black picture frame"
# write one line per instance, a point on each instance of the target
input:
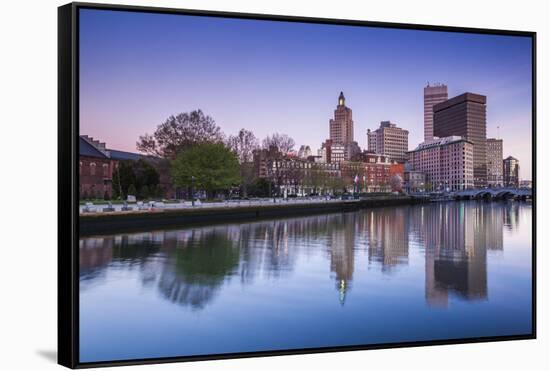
(68, 214)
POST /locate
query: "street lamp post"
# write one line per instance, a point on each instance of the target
(193, 191)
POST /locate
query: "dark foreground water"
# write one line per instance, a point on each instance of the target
(437, 271)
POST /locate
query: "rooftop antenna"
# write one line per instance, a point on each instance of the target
(498, 132)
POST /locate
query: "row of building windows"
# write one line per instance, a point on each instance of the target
(92, 168)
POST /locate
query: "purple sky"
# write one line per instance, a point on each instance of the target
(136, 69)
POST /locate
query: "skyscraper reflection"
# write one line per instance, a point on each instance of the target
(456, 237)
(190, 266)
(511, 216)
(388, 237)
(341, 244)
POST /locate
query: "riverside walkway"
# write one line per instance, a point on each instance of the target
(183, 205)
(174, 215)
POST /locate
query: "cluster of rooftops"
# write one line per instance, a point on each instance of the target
(89, 147)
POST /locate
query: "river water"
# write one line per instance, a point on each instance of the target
(410, 273)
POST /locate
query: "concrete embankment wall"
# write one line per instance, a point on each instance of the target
(106, 223)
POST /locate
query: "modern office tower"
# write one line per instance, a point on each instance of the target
(494, 162)
(447, 163)
(432, 95)
(511, 172)
(465, 116)
(341, 127)
(389, 140)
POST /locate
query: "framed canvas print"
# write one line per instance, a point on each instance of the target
(236, 185)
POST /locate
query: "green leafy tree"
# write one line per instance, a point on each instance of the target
(145, 173)
(123, 177)
(139, 173)
(260, 188)
(316, 179)
(200, 269)
(132, 190)
(213, 165)
(337, 184)
(158, 192)
(144, 192)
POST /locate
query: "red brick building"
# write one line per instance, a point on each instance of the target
(98, 163)
(373, 172)
(397, 169)
(95, 170)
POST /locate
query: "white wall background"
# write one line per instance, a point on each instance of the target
(28, 119)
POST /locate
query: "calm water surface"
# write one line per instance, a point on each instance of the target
(436, 271)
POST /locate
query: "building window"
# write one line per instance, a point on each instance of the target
(92, 168)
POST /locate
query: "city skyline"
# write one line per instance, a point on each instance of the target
(281, 79)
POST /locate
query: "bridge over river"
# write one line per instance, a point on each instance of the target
(494, 193)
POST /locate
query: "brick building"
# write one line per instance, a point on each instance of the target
(97, 163)
(296, 176)
(95, 170)
(372, 171)
(341, 126)
(447, 162)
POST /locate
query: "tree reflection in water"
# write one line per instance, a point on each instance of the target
(195, 270)
(189, 266)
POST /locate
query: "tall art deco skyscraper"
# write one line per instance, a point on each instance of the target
(341, 127)
(432, 95)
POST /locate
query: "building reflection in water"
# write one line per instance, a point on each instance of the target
(511, 216)
(341, 244)
(388, 237)
(189, 266)
(456, 237)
